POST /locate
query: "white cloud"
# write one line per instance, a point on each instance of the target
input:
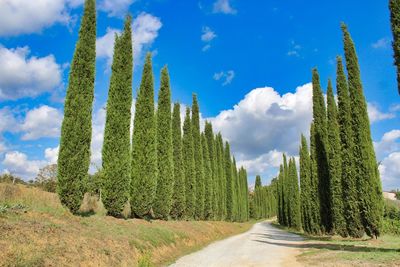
(376, 115)
(381, 43)
(115, 7)
(223, 6)
(24, 76)
(22, 16)
(51, 154)
(40, 122)
(145, 28)
(226, 77)
(17, 163)
(294, 50)
(206, 47)
(389, 143)
(264, 124)
(8, 123)
(208, 35)
(390, 171)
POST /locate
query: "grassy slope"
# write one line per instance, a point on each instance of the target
(35, 230)
(337, 251)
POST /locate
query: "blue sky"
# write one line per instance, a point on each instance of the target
(249, 62)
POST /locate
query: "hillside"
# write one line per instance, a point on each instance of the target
(35, 230)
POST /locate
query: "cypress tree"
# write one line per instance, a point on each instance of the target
(235, 185)
(76, 131)
(394, 6)
(208, 182)
(229, 183)
(368, 180)
(144, 149)
(294, 196)
(305, 186)
(198, 159)
(116, 153)
(315, 201)
(178, 199)
(335, 165)
(188, 163)
(286, 192)
(221, 177)
(280, 210)
(349, 179)
(257, 197)
(211, 145)
(165, 183)
(320, 126)
(246, 195)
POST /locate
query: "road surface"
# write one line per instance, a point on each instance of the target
(263, 245)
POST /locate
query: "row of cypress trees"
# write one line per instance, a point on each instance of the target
(263, 200)
(161, 172)
(288, 195)
(339, 178)
(394, 7)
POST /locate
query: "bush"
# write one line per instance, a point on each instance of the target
(392, 210)
(391, 226)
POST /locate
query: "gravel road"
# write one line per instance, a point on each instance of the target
(263, 245)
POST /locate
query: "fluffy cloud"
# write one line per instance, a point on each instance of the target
(115, 7)
(381, 43)
(24, 76)
(51, 154)
(40, 122)
(389, 143)
(223, 6)
(208, 35)
(18, 164)
(262, 163)
(21, 16)
(8, 123)
(376, 115)
(264, 124)
(226, 77)
(145, 28)
(390, 171)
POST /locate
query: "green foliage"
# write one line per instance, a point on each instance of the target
(294, 196)
(165, 183)
(221, 177)
(144, 149)
(229, 183)
(315, 200)
(394, 6)
(211, 147)
(178, 199)
(198, 160)
(335, 166)
(366, 169)
(208, 182)
(321, 149)
(188, 163)
(76, 130)
(349, 178)
(116, 153)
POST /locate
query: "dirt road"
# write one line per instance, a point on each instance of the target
(263, 245)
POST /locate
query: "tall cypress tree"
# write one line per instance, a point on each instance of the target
(280, 210)
(76, 131)
(211, 146)
(188, 163)
(315, 201)
(352, 217)
(165, 183)
(178, 198)
(305, 186)
(235, 185)
(208, 182)
(198, 159)
(221, 176)
(368, 180)
(246, 195)
(144, 149)
(286, 192)
(116, 153)
(394, 6)
(320, 126)
(294, 196)
(229, 183)
(257, 197)
(335, 165)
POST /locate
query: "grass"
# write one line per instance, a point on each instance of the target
(337, 251)
(35, 230)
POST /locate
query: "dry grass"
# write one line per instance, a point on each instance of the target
(35, 230)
